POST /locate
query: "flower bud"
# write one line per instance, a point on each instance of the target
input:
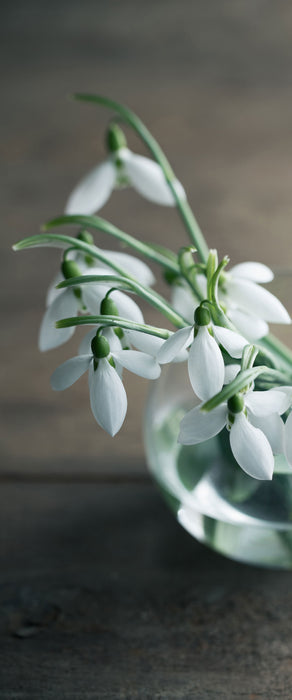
(86, 237)
(202, 316)
(100, 347)
(108, 307)
(236, 403)
(115, 138)
(70, 269)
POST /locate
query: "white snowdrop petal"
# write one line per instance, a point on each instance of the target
(175, 344)
(183, 301)
(254, 271)
(251, 448)
(205, 365)
(197, 426)
(288, 439)
(67, 374)
(134, 266)
(259, 301)
(262, 403)
(85, 345)
(52, 292)
(108, 399)
(147, 178)
(92, 296)
(127, 307)
(273, 428)
(150, 344)
(93, 191)
(139, 363)
(250, 326)
(230, 372)
(64, 306)
(231, 341)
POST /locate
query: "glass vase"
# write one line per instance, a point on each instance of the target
(211, 497)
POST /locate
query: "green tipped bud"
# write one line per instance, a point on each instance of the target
(202, 316)
(86, 237)
(100, 347)
(236, 403)
(119, 333)
(171, 276)
(108, 307)
(70, 269)
(115, 138)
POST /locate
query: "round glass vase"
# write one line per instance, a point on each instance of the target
(211, 497)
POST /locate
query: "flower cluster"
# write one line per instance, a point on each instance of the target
(217, 315)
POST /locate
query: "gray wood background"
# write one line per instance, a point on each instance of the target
(102, 594)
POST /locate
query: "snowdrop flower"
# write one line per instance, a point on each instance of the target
(108, 397)
(121, 168)
(89, 265)
(205, 362)
(70, 302)
(248, 305)
(251, 445)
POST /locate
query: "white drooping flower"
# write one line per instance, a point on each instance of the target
(130, 264)
(255, 428)
(121, 168)
(249, 306)
(205, 361)
(108, 399)
(71, 302)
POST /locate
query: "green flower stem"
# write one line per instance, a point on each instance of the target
(56, 240)
(137, 125)
(241, 382)
(104, 320)
(100, 224)
(145, 293)
(279, 351)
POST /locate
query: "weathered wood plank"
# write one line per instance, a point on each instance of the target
(103, 595)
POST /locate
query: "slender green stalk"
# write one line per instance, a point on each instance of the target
(100, 224)
(145, 293)
(241, 382)
(278, 350)
(128, 117)
(104, 320)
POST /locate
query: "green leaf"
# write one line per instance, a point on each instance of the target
(153, 298)
(100, 224)
(241, 381)
(103, 320)
(137, 125)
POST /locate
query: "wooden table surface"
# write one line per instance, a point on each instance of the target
(102, 594)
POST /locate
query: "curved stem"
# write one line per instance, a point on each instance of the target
(137, 125)
(153, 298)
(105, 320)
(100, 224)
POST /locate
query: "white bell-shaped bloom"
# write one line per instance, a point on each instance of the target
(252, 446)
(108, 397)
(205, 362)
(152, 345)
(121, 168)
(248, 305)
(67, 304)
(130, 264)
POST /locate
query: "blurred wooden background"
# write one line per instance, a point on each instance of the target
(212, 81)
